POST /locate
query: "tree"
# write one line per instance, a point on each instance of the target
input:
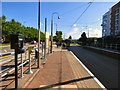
(70, 37)
(54, 38)
(3, 19)
(14, 27)
(59, 36)
(83, 38)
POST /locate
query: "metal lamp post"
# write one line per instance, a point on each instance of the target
(52, 29)
(56, 26)
(38, 32)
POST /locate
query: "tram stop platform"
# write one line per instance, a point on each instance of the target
(61, 70)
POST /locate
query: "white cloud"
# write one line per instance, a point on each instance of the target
(75, 32)
(74, 25)
(92, 30)
(95, 33)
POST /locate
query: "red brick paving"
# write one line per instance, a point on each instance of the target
(56, 70)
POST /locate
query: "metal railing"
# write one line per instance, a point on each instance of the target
(5, 54)
(21, 63)
(23, 60)
(108, 46)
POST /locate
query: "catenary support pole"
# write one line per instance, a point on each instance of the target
(38, 33)
(45, 37)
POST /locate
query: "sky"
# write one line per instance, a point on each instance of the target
(90, 22)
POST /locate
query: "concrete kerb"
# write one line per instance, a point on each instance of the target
(101, 85)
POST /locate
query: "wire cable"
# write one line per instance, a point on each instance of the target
(73, 10)
(90, 3)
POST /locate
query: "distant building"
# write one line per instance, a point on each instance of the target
(106, 24)
(111, 21)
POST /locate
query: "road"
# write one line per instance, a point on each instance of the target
(104, 68)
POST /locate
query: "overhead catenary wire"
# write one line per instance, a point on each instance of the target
(90, 3)
(73, 9)
(94, 22)
(76, 9)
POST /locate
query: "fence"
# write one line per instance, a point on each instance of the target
(24, 58)
(108, 46)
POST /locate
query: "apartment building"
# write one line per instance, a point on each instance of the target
(106, 24)
(111, 21)
(115, 19)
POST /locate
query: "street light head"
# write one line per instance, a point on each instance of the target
(58, 17)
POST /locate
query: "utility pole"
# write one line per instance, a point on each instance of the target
(56, 26)
(38, 32)
(45, 37)
(52, 29)
(51, 34)
(16, 68)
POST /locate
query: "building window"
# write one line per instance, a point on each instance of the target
(116, 22)
(117, 16)
(116, 28)
(117, 11)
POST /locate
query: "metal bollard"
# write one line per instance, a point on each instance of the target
(42, 50)
(29, 70)
(21, 67)
(36, 56)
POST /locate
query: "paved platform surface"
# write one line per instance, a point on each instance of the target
(61, 70)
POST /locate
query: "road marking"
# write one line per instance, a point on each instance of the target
(101, 85)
